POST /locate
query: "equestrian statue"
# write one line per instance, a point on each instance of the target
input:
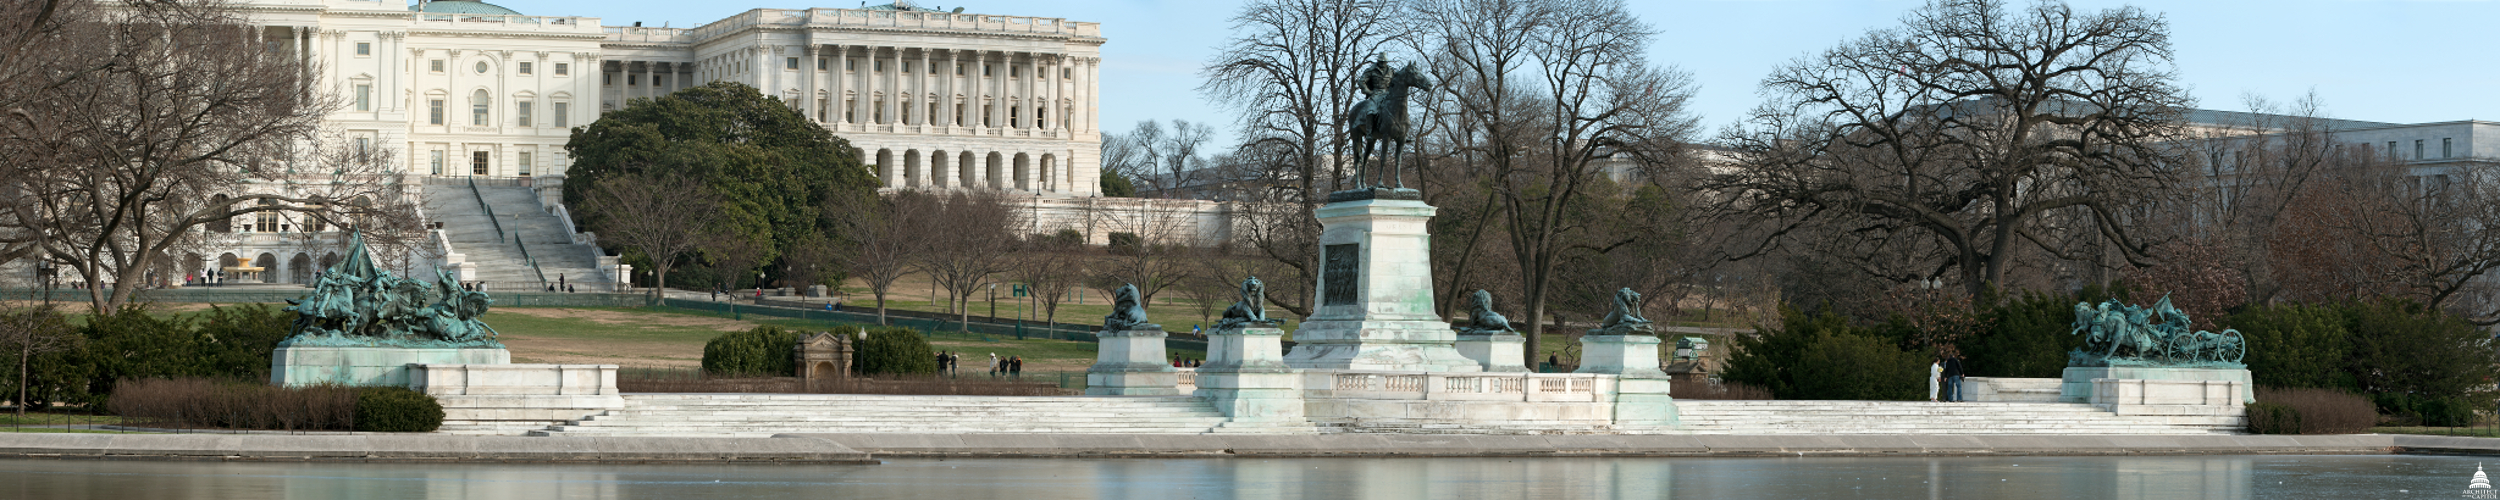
(1382, 117)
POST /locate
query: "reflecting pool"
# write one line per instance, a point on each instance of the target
(2235, 477)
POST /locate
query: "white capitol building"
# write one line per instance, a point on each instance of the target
(469, 92)
(933, 99)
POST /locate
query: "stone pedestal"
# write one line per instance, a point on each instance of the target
(1500, 352)
(367, 366)
(2078, 385)
(1246, 378)
(1131, 363)
(1632, 356)
(1644, 402)
(1374, 307)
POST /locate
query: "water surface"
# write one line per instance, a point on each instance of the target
(2233, 477)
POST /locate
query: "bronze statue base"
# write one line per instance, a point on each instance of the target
(1375, 193)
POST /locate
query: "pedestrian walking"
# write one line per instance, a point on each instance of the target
(1015, 367)
(1952, 375)
(994, 365)
(1935, 376)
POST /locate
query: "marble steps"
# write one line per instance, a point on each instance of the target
(768, 414)
(1868, 417)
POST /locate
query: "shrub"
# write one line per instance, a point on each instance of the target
(1704, 390)
(2432, 411)
(396, 409)
(199, 402)
(1823, 357)
(2294, 345)
(1124, 243)
(2026, 337)
(2309, 411)
(763, 351)
(2400, 348)
(892, 350)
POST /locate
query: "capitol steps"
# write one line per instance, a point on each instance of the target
(519, 216)
(1893, 417)
(755, 415)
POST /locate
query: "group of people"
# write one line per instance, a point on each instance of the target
(1945, 374)
(1011, 366)
(946, 362)
(1185, 363)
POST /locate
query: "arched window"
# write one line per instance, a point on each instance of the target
(477, 108)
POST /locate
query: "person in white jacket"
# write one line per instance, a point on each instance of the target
(1935, 378)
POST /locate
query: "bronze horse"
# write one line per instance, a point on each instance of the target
(1383, 117)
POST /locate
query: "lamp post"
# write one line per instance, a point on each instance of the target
(993, 302)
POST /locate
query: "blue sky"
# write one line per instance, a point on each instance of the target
(2375, 60)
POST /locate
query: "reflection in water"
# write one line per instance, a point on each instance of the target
(2227, 477)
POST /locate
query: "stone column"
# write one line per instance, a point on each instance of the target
(841, 85)
(1246, 378)
(807, 95)
(1131, 363)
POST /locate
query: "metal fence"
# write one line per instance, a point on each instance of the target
(279, 295)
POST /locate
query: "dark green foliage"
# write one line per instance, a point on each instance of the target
(1115, 185)
(1857, 366)
(2026, 337)
(771, 166)
(895, 349)
(1823, 357)
(396, 409)
(228, 342)
(2294, 345)
(763, 351)
(2400, 348)
(2433, 411)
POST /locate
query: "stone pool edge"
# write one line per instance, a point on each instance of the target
(868, 448)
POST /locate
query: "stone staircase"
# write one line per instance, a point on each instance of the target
(763, 415)
(1894, 417)
(522, 219)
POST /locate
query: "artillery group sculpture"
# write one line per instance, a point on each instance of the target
(354, 304)
(2120, 334)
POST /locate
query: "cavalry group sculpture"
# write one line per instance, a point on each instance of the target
(354, 304)
(2120, 334)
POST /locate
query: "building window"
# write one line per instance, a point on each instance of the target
(985, 116)
(820, 64)
(562, 119)
(850, 110)
(959, 69)
(1015, 71)
(523, 163)
(632, 80)
(437, 65)
(906, 66)
(1040, 116)
(880, 112)
(563, 69)
(659, 80)
(790, 63)
(438, 161)
(477, 163)
(2417, 149)
(364, 97)
(880, 66)
(477, 108)
(850, 65)
(607, 78)
(1065, 72)
(525, 68)
(436, 108)
(521, 110)
(364, 148)
(265, 222)
(2447, 147)
(2391, 150)
(364, 48)
(481, 67)
(985, 70)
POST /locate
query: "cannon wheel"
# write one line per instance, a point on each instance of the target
(2233, 348)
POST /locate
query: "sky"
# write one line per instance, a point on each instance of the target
(2399, 61)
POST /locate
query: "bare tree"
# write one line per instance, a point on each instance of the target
(34, 331)
(186, 110)
(1289, 71)
(1948, 147)
(888, 235)
(1163, 239)
(2379, 227)
(665, 218)
(976, 243)
(1050, 267)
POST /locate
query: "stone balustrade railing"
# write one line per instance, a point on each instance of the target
(1439, 386)
(485, 21)
(892, 19)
